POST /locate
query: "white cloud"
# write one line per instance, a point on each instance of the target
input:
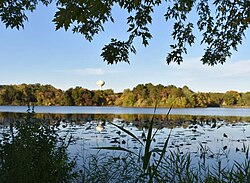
(193, 67)
(236, 69)
(234, 74)
(88, 71)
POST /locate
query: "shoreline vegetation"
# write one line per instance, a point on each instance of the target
(142, 95)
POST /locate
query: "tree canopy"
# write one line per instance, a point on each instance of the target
(142, 95)
(221, 23)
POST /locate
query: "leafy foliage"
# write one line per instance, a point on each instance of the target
(13, 13)
(143, 95)
(221, 23)
(117, 51)
(31, 151)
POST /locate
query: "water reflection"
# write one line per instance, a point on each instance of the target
(210, 140)
(205, 137)
(140, 120)
(100, 126)
(130, 110)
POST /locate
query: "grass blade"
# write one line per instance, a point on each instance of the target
(164, 120)
(127, 132)
(147, 153)
(169, 110)
(167, 115)
(114, 149)
(163, 151)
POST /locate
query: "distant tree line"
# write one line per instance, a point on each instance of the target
(143, 95)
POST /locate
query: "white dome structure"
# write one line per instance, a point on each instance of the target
(100, 83)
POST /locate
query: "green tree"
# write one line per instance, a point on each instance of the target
(77, 95)
(222, 23)
(202, 99)
(127, 99)
(28, 93)
(47, 95)
(216, 99)
(187, 92)
(231, 98)
(192, 100)
(110, 97)
(154, 94)
(67, 99)
(87, 97)
(244, 100)
(141, 94)
(98, 98)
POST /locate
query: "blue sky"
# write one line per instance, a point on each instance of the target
(39, 54)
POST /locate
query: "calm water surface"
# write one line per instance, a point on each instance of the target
(221, 139)
(218, 141)
(245, 112)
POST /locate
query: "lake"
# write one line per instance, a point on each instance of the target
(244, 112)
(216, 134)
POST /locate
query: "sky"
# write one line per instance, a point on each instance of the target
(39, 54)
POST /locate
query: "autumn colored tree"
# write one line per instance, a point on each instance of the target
(142, 95)
(231, 98)
(244, 100)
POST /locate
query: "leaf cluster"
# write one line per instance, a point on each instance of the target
(221, 23)
(13, 12)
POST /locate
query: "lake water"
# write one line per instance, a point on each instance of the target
(244, 112)
(220, 134)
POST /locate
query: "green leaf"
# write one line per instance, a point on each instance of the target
(163, 150)
(147, 152)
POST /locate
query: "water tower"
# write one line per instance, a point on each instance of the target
(100, 83)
